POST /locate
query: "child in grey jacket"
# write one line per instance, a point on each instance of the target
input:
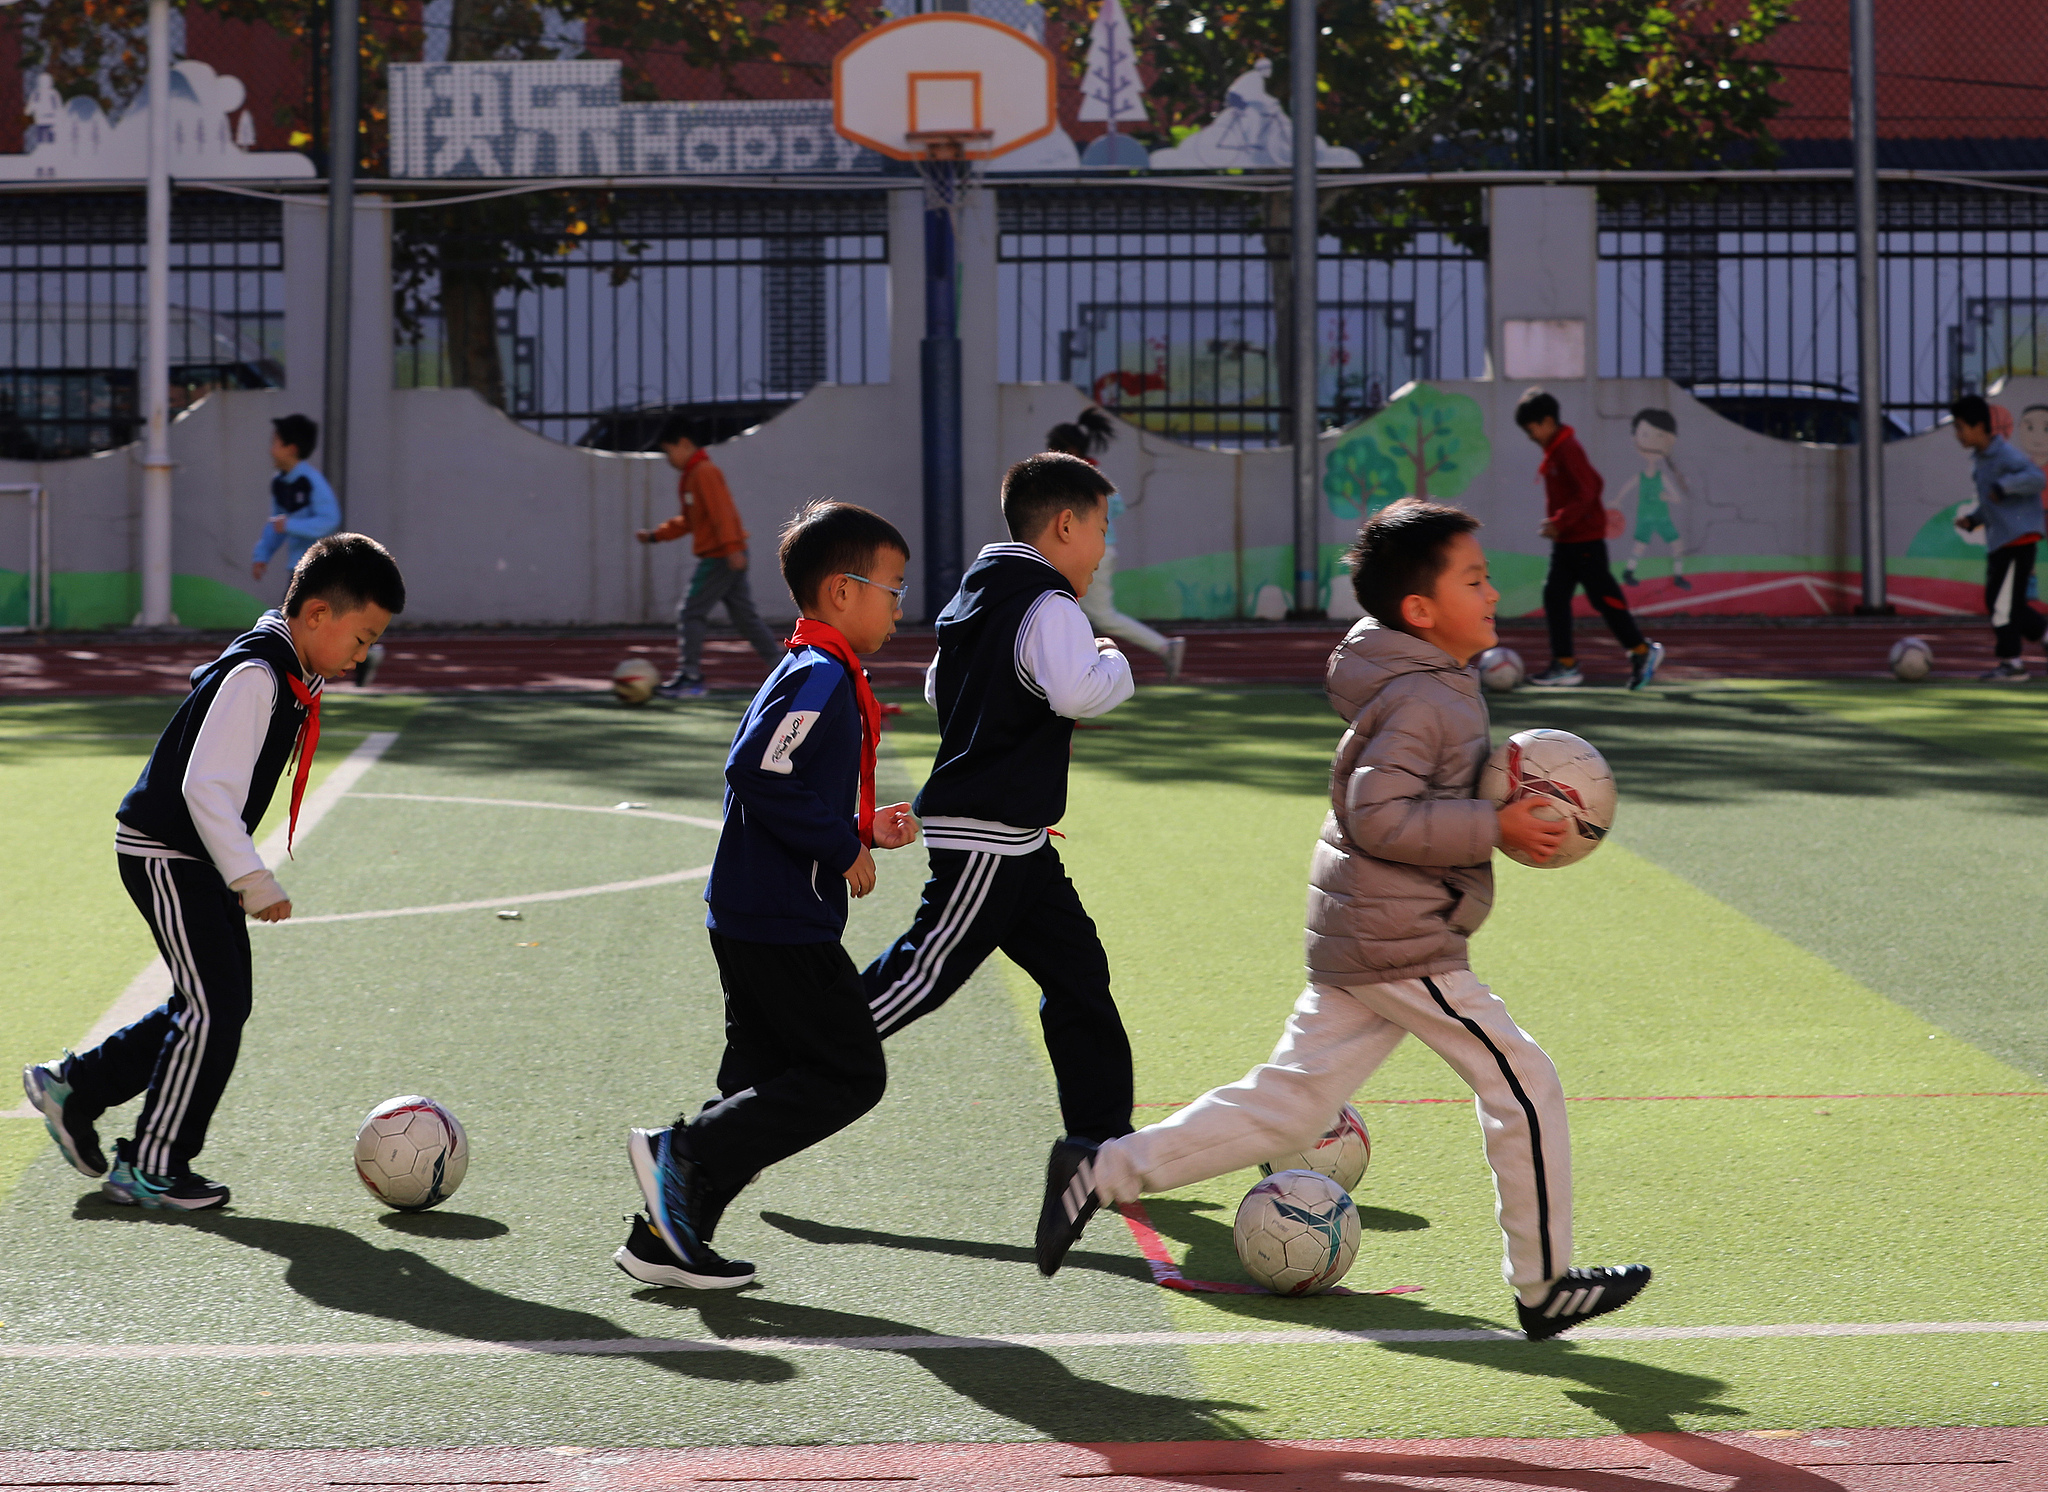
(1402, 874)
(2009, 511)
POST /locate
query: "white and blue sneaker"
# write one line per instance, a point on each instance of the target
(50, 1096)
(670, 1185)
(133, 1187)
(1642, 667)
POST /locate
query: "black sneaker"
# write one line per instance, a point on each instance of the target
(190, 1192)
(650, 1261)
(1559, 676)
(1069, 1201)
(50, 1095)
(679, 686)
(1580, 1296)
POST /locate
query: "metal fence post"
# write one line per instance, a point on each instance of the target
(1308, 597)
(1869, 334)
(156, 368)
(341, 236)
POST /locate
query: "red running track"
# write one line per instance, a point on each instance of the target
(430, 661)
(1970, 1460)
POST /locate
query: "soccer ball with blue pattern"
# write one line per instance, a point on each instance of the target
(411, 1153)
(1297, 1232)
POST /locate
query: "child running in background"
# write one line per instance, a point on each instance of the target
(720, 545)
(302, 506)
(1016, 667)
(1088, 436)
(1401, 877)
(802, 1056)
(183, 840)
(1575, 522)
(2009, 511)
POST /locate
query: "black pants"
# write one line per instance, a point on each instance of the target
(2006, 572)
(974, 904)
(802, 1061)
(183, 1052)
(1585, 564)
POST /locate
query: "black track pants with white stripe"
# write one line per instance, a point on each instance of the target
(183, 1052)
(976, 903)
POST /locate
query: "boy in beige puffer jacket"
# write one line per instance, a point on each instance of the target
(1401, 875)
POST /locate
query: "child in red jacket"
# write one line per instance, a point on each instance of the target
(1575, 522)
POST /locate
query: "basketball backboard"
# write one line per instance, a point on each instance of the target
(943, 83)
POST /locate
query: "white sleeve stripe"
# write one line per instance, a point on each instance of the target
(1024, 674)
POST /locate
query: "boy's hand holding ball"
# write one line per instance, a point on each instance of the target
(1535, 837)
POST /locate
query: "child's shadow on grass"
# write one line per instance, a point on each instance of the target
(959, 1248)
(333, 1268)
(1633, 1397)
(1024, 1384)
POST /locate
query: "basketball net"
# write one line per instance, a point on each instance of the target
(949, 173)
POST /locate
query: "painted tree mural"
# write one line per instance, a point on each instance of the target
(1427, 443)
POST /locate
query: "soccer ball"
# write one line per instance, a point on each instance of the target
(1502, 670)
(1297, 1232)
(1912, 659)
(1342, 1154)
(1557, 765)
(633, 681)
(411, 1153)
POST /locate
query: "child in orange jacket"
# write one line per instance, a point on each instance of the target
(720, 543)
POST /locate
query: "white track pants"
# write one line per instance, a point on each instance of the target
(1100, 606)
(1336, 1039)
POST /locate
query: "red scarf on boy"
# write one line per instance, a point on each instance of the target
(828, 639)
(307, 744)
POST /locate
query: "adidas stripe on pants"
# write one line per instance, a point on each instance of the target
(183, 1052)
(1336, 1038)
(976, 903)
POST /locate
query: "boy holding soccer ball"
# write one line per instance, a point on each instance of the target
(802, 1056)
(183, 839)
(1401, 877)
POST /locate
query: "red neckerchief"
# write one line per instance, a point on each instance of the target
(1564, 433)
(306, 745)
(828, 639)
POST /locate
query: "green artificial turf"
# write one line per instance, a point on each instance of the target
(1727, 941)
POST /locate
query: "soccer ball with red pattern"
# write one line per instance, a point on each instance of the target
(1297, 1232)
(1568, 775)
(1342, 1153)
(411, 1153)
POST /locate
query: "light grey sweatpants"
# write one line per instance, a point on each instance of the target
(1336, 1038)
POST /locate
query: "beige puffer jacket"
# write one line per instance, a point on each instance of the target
(1403, 871)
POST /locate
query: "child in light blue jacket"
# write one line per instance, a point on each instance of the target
(303, 507)
(2009, 511)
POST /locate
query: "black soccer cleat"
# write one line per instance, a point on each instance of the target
(50, 1095)
(1069, 1201)
(1580, 1296)
(652, 1262)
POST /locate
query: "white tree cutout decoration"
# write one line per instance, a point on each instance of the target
(1111, 89)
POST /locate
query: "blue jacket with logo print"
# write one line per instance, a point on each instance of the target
(792, 798)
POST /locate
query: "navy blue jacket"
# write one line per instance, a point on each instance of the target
(792, 800)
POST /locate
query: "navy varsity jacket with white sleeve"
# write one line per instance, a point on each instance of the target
(792, 802)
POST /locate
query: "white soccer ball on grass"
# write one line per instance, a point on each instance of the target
(1501, 670)
(411, 1153)
(1912, 659)
(633, 681)
(1297, 1232)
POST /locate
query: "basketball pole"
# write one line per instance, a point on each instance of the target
(939, 368)
(156, 362)
(1308, 598)
(1869, 329)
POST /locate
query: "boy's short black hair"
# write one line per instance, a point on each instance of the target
(1536, 406)
(1971, 409)
(681, 427)
(1401, 552)
(1659, 419)
(826, 539)
(298, 432)
(348, 572)
(1040, 488)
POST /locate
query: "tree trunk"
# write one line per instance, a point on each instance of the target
(469, 319)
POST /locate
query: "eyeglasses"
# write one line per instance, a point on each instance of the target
(898, 591)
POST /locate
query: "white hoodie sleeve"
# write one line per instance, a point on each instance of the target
(1056, 655)
(931, 682)
(223, 760)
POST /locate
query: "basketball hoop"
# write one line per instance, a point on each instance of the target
(951, 163)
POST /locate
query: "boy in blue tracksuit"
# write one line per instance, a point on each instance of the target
(302, 506)
(802, 1057)
(2009, 511)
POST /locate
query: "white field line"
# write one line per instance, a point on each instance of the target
(668, 878)
(152, 986)
(1042, 1341)
(638, 813)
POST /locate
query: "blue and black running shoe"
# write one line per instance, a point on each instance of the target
(50, 1095)
(672, 1188)
(132, 1187)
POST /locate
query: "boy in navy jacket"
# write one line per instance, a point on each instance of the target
(802, 1057)
(1018, 664)
(183, 839)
